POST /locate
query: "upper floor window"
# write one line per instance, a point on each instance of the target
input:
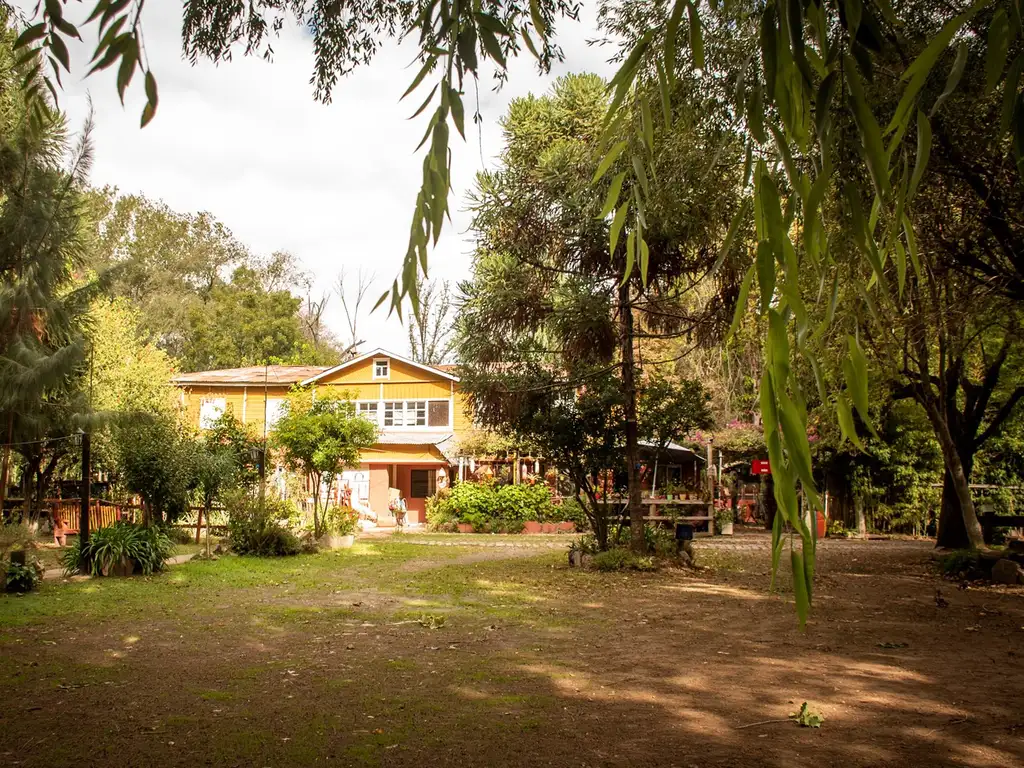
(400, 413)
(369, 410)
(381, 368)
(210, 409)
(437, 413)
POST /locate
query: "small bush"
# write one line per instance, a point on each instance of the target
(115, 545)
(619, 559)
(660, 541)
(261, 532)
(15, 536)
(178, 535)
(23, 577)
(959, 563)
(342, 521)
(570, 511)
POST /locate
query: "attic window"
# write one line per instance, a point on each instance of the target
(381, 368)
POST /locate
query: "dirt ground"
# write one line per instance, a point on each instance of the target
(398, 653)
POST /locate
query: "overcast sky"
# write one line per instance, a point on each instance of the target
(334, 184)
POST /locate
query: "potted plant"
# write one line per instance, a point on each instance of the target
(724, 520)
(341, 528)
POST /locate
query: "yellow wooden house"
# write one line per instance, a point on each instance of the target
(418, 409)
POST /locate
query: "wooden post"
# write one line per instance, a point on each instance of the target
(83, 517)
(711, 492)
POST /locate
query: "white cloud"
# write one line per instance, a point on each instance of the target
(334, 184)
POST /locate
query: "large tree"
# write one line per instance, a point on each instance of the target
(43, 308)
(544, 291)
(242, 324)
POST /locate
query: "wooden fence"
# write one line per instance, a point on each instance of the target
(101, 512)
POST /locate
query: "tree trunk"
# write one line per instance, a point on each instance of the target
(771, 506)
(862, 523)
(636, 512)
(958, 468)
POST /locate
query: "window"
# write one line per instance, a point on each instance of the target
(210, 410)
(381, 368)
(275, 410)
(394, 414)
(369, 410)
(422, 483)
(399, 413)
(416, 413)
(437, 413)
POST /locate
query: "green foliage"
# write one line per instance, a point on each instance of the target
(261, 531)
(342, 520)
(807, 717)
(157, 461)
(23, 577)
(130, 374)
(320, 438)
(619, 559)
(147, 548)
(490, 507)
(241, 323)
(670, 411)
(15, 536)
(959, 563)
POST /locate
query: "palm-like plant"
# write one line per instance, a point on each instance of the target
(42, 309)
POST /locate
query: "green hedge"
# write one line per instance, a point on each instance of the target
(490, 507)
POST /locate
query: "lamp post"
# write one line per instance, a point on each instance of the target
(259, 454)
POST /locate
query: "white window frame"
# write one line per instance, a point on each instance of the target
(387, 368)
(211, 409)
(406, 410)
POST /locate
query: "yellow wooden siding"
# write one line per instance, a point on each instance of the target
(356, 391)
(462, 420)
(400, 373)
(403, 372)
(361, 372)
(418, 390)
(255, 408)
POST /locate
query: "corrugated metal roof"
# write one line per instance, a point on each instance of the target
(413, 438)
(275, 374)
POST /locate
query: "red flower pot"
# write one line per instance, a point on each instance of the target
(566, 527)
(465, 528)
(532, 526)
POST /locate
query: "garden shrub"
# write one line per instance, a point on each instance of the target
(147, 548)
(570, 511)
(960, 563)
(262, 532)
(177, 534)
(619, 559)
(489, 507)
(342, 520)
(22, 577)
(519, 503)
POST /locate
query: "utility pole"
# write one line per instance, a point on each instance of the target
(636, 512)
(83, 517)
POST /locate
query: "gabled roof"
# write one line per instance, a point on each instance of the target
(256, 374)
(379, 352)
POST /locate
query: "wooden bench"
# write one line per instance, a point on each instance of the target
(990, 521)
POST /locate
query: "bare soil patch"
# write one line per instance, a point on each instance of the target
(321, 661)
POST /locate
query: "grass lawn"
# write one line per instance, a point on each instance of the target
(403, 654)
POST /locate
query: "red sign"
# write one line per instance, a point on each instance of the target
(761, 467)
